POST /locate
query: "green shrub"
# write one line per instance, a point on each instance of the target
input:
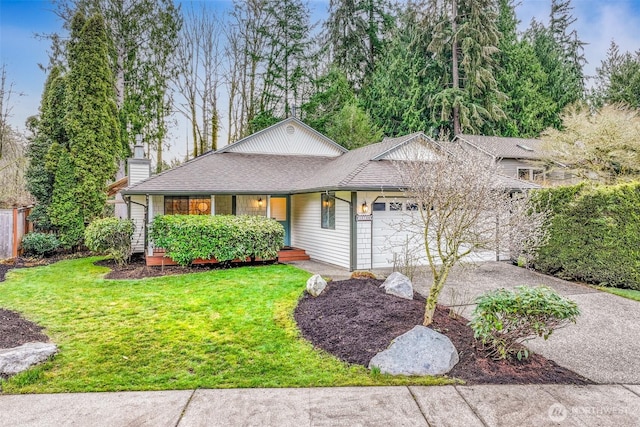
(594, 234)
(504, 319)
(111, 236)
(39, 244)
(223, 237)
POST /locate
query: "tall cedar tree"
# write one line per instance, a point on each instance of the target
(404, 79)
(91, 123)
(529, 107)
(46, 130)
(355, 35)
(466, 36)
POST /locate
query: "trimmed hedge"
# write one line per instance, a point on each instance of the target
(223, 237)
(594, 234)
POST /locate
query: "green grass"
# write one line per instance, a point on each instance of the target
(216, 329)
(626, 293)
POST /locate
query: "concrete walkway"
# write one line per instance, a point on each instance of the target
(469, 406)
(604, 344)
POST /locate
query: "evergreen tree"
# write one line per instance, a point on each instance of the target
(528, 108)
(355, 35)
(46, 130)
(91, 124)
(618, 78)
(466, 38)
(286, 59)
(332, 92)
(559, 52)
(352, 127)
(405, 79)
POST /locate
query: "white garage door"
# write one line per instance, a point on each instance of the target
(396, 234)
(397, 237)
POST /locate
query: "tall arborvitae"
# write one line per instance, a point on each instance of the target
(528, 107)
(466, 37)
(91, 124)
(47, 129)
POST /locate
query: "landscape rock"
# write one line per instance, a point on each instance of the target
(421, 351)
(316, 284)
(18, 359)
(399, 285)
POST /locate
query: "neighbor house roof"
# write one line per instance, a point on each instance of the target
(505, 148)
(223, 172)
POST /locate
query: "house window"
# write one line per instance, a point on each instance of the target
(187, 205)
(531, 174)
(395, 206)
(328, 211)
(379, 206)
(412, 206)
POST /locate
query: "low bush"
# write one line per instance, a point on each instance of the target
(39, 244)
(111, 236)
(223, 237)
(504, 319)
(594, 234)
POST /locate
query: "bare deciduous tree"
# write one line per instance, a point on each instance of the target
(199, 77)
(602, 146)
(462, 206)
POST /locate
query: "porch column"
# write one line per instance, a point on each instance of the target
(148, 226)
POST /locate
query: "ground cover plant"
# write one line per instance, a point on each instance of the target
(215, 329)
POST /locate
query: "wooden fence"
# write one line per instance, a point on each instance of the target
(13, 225)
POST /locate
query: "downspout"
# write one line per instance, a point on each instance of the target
(354, 231)
(128, 201)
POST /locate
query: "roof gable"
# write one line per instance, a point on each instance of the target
(409, 147)
(288, 137)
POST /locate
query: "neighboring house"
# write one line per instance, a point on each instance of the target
(517, 157)
(342, 207)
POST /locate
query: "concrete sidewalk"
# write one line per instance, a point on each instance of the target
(604, 344)
(469, 406)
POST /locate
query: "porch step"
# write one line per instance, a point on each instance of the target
(292, 254)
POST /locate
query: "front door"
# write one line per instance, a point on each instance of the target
(279, 210)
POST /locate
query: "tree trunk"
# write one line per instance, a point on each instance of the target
(434, 292)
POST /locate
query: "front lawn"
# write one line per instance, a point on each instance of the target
(216, 329)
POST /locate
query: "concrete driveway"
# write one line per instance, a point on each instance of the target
(604, 344)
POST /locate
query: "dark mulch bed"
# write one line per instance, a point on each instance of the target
(354, 320)
(16, 330)
(138, 269)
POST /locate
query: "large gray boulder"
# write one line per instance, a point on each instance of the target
(399, 285)
(421, 351)
(316, 284)
(18, 359)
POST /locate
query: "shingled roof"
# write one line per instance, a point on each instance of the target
(222, 172)
(505, 148)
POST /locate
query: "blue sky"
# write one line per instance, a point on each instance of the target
(599, 21)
